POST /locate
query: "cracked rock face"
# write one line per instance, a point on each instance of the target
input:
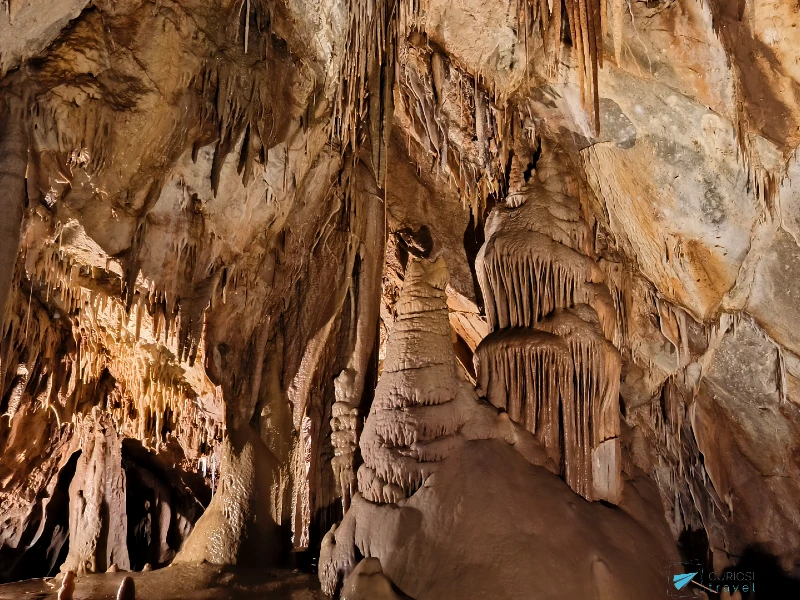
(275, 269)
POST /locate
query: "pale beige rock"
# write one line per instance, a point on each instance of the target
(67, 586)
(28, 27)
(127, 589)
(238, 526)
(503, 501)
(97, 513)
(367, 582)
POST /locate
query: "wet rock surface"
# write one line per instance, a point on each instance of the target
(196, 582)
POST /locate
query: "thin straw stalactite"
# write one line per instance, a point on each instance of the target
(587, 22)
(370, 38)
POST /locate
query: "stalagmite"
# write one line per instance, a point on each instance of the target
(534, 207)
(344, 420)
(423, 415)
(127, 589)
(368, 582)
(17, 389)
(238, 526)
(416, 413)
(97, 515)
(368, 218)
(67, 586)
(535, 255)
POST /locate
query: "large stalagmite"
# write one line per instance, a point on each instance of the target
(418, 410)
(97, 516)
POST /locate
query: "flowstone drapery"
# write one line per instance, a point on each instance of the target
(549, 362)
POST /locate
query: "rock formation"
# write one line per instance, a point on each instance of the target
(270, 268)
(548, 363)
(429, 445)
(67, 586)
(367, 582)
(418, 409)
(99, 541)
(127, 589)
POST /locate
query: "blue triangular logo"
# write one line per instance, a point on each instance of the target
(681, 581)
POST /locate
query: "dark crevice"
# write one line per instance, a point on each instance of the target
(473, 240)
(46, 551)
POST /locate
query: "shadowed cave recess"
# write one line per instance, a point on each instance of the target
(391, 299)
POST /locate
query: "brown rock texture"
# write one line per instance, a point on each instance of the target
(275, 269)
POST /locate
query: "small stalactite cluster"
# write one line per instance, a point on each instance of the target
(237, 102)
(415, 417)
(71, 343)
(433, 93)
(29, 363)
(529, 375)
(550, 362)
(587, 21)
(762, 181)
(687, 490)
(365, 91)
(591, 424)
(528, 275)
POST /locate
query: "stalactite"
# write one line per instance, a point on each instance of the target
(673, 325)
(13, 165)
(781, 375)
(597, 372)
(618, 13)
(587, 22)
(615, 280)
(149, 393)
(433, 94)
(525, 275)
(535, 272)
(562, 385)
(529, 374)
(371, 35)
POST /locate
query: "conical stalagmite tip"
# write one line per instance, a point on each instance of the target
(67, 586)
(127, 589)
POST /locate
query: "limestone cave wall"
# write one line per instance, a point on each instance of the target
(272, 271)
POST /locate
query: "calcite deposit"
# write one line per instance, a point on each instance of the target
(432, 299)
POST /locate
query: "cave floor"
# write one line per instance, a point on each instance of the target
(184, 582)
